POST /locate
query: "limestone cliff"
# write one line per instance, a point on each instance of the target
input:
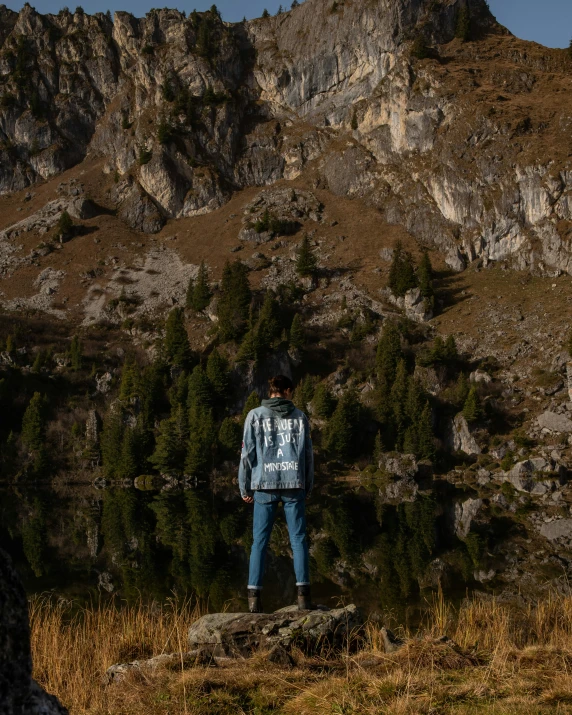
(464, 148)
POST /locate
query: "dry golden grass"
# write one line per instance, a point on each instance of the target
(501, 659)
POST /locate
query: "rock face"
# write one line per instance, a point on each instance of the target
(241, 634)
(459, 437)
(185, 110)
(19, 693)
(555, 422)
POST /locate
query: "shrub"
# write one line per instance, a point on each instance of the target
(145, 156)
(402, 275)
(306, 263)
(463, 27)
(419, 48)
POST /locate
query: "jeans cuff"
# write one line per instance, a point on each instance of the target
(302, 583)
(254, 588)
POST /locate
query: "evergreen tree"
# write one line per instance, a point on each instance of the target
(218, 373)
(269, 324)
(234, 301)
(402, 272)
(130, 457)
(251, 403)
(199, 293)
(472, 409)
(425, 438)
(64, 227)
(425, 277)
(341, 439)
(280, 10)
(177, 348)
(415, 400)
(570, 50)
(201, 438)
(306, 263)
(569, 345)
(229, 438)
(200, 389)
(398, 397)
(295, 4)
(388, 354)
(34, 423)
(323, 402)
(76, 353)
(451, 354)
(410, 441)
(169, 451)
(304, 393)
(112, 441)
(463, 27)
(179, 392)
(265, 13)
(437, 353)
(129, 380)
(297, 335)
(462, 389)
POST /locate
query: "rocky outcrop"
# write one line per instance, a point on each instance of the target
(460, 438)
(555, 422)
(19, 693)
(188, 109)
(242, 634)
(465, 513)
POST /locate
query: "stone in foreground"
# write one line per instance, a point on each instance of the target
(241, 634)
(19, 693)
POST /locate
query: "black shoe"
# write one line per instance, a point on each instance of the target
(254, 600)
(304, 599)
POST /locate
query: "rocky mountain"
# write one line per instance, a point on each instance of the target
(463, 148)
(135, 150)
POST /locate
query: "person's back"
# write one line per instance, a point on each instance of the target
(277, 465)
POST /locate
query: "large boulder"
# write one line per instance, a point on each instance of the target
(555, 422)
(242, 634)
(465, 514)
(459, 437)
(19, 693)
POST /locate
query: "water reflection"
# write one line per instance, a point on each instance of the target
(85, 543)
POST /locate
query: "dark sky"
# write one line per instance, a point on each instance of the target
(548, 21)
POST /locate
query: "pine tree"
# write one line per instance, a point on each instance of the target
(34, 423)
(304, 392)
(462, 389)
(341, 439)
(76, 353)
(177, 348)
(129, 380)
(201, 438)
(269, 324)
(323, 402)
(306, 263)
(218, 373)
(463, 28)
(169, 453)
(419, 48)
(437, 353)
(229, 438)
(280, 10)
(199, 293)
(200, 389)
(388, 354)
(570, 50)
(251, 403)
(64, 227)
(295, 4)
(450, 352)
(297, 334)
(425, 438)
(234, 301)
(398, 397)
(265, 13)
(415, 399)
(472, 409)
(402, 272)
(112, 441)
(129, 460)
(425, 277)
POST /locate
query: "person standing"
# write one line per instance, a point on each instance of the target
(277, 465)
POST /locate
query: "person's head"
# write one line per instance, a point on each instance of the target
(280, 386)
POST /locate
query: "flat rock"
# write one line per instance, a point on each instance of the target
(555, 422)
(557, 530)
(241, 634)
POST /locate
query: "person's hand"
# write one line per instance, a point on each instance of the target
(248, 500)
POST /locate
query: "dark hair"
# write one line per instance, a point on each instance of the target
(280, 383)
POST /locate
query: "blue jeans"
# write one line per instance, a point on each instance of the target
(265, 507)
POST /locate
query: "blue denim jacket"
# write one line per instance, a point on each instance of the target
(276, 452)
